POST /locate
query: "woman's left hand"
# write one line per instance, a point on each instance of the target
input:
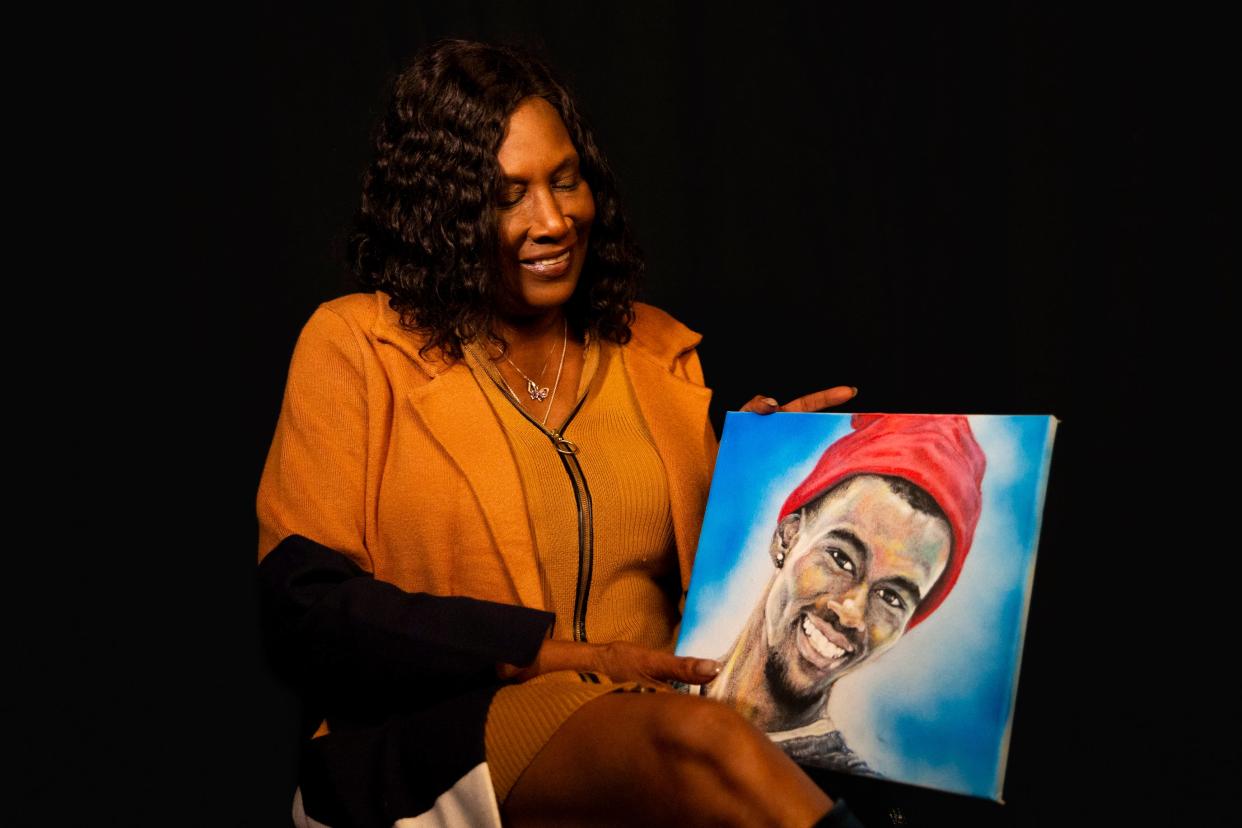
(816, 401)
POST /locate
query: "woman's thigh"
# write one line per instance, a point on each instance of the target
(662, 758)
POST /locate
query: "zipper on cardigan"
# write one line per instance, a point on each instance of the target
(586, 537)
(568, 452)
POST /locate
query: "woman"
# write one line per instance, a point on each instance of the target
(478, 513)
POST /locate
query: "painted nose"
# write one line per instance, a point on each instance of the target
(851, 609)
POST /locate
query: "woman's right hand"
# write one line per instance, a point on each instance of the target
(815, 401)
(619, 660)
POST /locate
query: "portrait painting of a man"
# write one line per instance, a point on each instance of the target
(847, 551)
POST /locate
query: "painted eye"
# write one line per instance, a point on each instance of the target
(891, 598)
(842, 560)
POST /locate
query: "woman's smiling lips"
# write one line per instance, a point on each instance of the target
(549, 266)
(822, 644)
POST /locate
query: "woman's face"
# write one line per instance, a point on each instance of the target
(544, 213)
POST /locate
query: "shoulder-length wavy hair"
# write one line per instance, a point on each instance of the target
(426, 230)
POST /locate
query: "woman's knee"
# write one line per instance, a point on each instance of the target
(731, 772)
(711, 736)
(663, 759)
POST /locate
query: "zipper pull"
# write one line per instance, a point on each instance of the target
(564, 446)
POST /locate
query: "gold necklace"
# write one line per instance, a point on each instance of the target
(536, 393)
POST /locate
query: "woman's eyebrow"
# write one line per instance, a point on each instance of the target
(569, 161)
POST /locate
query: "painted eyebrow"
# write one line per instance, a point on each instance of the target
(850, 538)
(907, 585)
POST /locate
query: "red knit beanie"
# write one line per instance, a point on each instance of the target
(936, 452)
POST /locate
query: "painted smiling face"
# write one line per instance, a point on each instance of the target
(856, 563)
(544, 212)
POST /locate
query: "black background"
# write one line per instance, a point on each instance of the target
(1001, 208)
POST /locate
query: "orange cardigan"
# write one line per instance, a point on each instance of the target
(399, 461)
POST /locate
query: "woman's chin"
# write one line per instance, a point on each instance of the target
(542, 296)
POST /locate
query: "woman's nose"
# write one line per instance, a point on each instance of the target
(549, 220)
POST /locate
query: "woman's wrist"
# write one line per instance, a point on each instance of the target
(553, 656)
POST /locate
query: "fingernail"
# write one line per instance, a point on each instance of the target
(708, 667)
(771, 402)
(855, 390)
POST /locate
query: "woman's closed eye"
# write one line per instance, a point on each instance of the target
(510, 198)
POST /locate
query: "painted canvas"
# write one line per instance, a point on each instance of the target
(865, 579)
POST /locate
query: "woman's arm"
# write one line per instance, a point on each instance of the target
(337, 633)
(360, 646)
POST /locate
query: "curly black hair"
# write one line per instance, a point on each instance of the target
(426, 230)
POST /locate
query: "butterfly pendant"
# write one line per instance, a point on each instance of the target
(536, 393)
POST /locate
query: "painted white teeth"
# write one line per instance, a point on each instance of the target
(821, 644)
